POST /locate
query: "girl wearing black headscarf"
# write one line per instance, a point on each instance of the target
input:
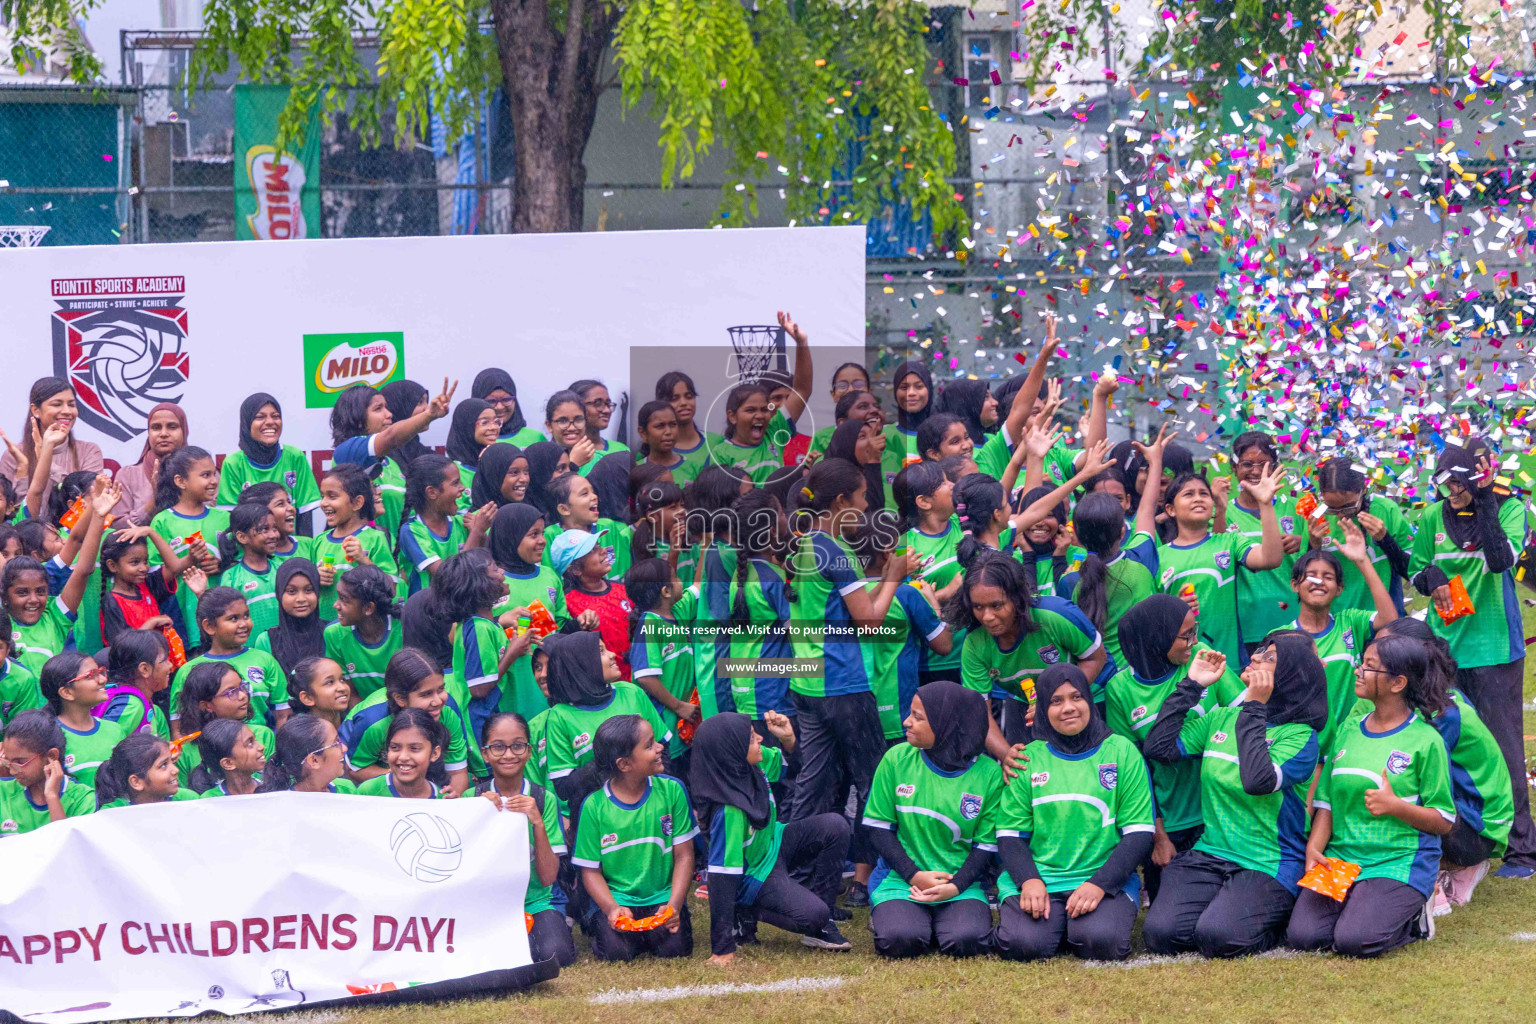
(263, 458)
(585, 690)
(1476, 533)
(932, 812)
(546, 460)
(1158, 640)
(854, 438)
(751, 852)
(299, 633)
(973, 403)
(516, 543)
(501, 478)
(497, 387)
(1070, 840)
(471, 430)
(404, 399)
(1232, 893)
(913, 386)
(610, 479)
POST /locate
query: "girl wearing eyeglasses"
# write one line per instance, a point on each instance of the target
(1476, 533)
(504, 743)
(597, 407)
(72, 684)
(213, 690)
(226, 622)
(1389, 538)
(40, 789)
(1159, 639)
(310, 758)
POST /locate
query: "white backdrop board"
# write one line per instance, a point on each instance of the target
(256, 903)
(205, 324)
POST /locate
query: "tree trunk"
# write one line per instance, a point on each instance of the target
(552, 88)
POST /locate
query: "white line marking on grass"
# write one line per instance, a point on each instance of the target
(615, 996)
(1523, 937)
(1279, 953)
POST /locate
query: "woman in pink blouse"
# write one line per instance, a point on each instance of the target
(166, 431)
(50, 401)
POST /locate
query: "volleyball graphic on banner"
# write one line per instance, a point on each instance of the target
(121, 342)
(426, 847)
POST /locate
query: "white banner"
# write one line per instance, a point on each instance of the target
(256, 902)
(206, 324)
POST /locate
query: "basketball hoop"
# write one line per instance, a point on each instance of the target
(21, 236)
(756, 345)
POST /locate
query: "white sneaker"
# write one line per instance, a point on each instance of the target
(1427, 920)
(1460, 883)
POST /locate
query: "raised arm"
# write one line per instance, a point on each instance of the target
(804, 378)
(1271, 550)
(1095, 463)
(1098, 411)
(1355, 550)
(1146, 511)
(104, 495)
(44, 443)
(396, 434)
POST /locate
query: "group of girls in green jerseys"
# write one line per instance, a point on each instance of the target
(1009, 694)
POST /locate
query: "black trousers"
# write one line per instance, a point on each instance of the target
(1182, 839)
(1463, 847)
(623, 947)
(551, 938)
(1214, 907)
(798, 894)
(958, 928)
(1103, 933)
(1377, 916)
(1011, 715)
(841, 743)
(1496, 692)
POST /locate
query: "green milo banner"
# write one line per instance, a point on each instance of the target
(335, 362)
(277, 193)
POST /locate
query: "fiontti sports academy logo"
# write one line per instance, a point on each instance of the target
(426, 847)
(335, 362)
(121, 342)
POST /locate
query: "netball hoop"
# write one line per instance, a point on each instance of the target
(758, 349)
(22, 236)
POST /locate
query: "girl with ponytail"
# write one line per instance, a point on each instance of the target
(141, 770)
(660, 656)
(366, 633)
(245, 550)
(232, 760)
(1117, 572)
(760, 604)
(310, 758)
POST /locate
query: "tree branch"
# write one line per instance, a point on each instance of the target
(574, 15)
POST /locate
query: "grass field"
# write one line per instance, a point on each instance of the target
(1479, 968)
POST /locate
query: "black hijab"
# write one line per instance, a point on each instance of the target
(1147, 629)
(964, 398)
(1459, 462)
(292, 640)
(508, 529)
(912, 421)
(958, 717)
(260, 454)
(1005, 393)
(1301, 683)
(543, 457)
(495, 462)
(1093, 734)
(576, 669)
(401, 399)
(719, 774)
(844, 445)
(489, 380)
(610, 479)
(462, 446)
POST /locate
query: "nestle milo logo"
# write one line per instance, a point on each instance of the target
(335, 362)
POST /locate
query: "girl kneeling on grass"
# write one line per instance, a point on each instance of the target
(1383, 802)
(1072, 837)
(634, 844)
(751, 852)
(1231, 894)
(932, 814)
(504, 743)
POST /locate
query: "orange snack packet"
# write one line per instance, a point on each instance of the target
(685, 727)
(1306, 504)
(1461, 601)
(1331, 877)
(645, 924)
